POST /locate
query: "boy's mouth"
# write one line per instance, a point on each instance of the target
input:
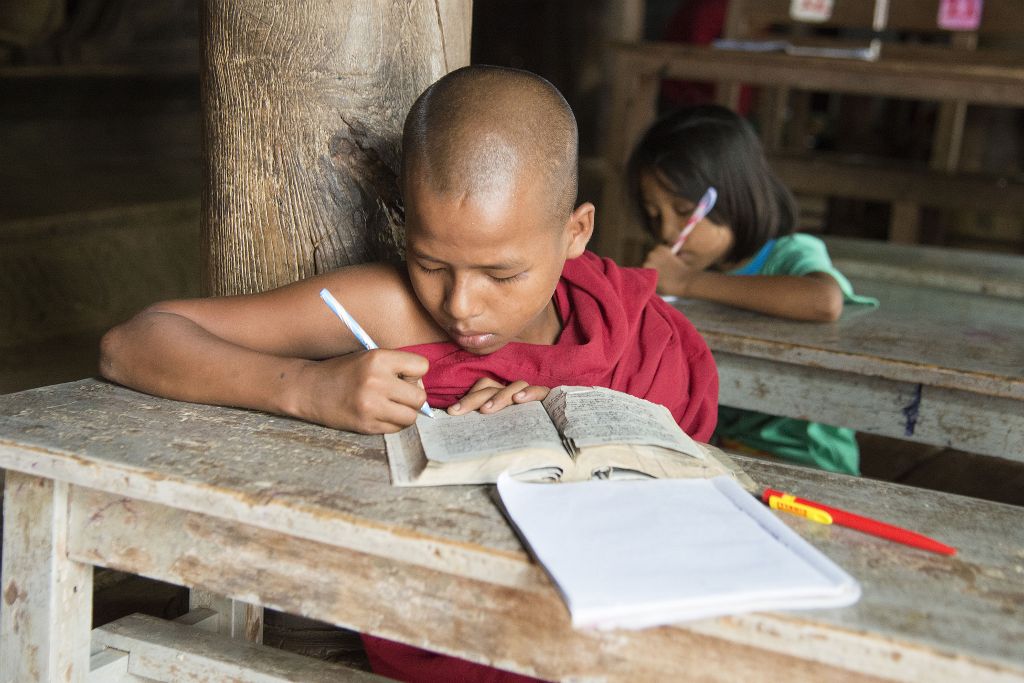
(472, 340)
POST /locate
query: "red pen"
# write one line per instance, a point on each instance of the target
(824, 514)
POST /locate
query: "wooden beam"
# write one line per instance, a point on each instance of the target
(160, 650)
(47, 597)
(830, 175)
(916, 73)
(234, 619)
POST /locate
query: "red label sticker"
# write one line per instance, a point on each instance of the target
(811, 10)
(960, 15)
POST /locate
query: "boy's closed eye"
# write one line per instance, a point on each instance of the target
(429, 270)
(506, 277)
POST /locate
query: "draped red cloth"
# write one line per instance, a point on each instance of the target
(616, 333)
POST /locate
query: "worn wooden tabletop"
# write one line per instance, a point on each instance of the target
(939, 366)
(302, 518)
(961, 270)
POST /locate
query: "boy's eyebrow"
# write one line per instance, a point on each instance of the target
(506, 265)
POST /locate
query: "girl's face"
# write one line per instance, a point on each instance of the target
(667, 214)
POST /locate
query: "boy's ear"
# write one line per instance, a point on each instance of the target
(578, 229)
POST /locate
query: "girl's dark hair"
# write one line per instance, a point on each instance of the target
(693, 148)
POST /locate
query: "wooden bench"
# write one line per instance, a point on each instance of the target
(938, 366)
(955, 73)
(140, 648)
(302, 518)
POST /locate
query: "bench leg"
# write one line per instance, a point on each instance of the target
(905, 223)
(235, 619)
(46, 613)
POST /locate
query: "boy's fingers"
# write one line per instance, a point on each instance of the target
(531, 393)
(503, 397)
(402, 363)
(478, 394)
(484, 383)
(394, 417)
(473, 400)
(407, 393)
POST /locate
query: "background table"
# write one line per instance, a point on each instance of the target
(936, 366)
(302, 518)
(961, 270)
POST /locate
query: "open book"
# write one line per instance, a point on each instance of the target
(576, 433)
(633, 554)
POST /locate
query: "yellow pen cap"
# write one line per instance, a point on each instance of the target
(787, 503)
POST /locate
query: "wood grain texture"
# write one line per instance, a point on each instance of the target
(959, 270)
(904, 410)
(262, 508)
(516, 629)
(941, 367)
(304, 104)
(955, 340)
(169, 651)
(45, 614)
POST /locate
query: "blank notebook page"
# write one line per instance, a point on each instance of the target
(632, 554)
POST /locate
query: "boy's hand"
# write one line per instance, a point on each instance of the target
(675, 273)
(372, 392)
(489, 396)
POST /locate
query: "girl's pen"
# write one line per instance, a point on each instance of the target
(704, 206)
(357, 330)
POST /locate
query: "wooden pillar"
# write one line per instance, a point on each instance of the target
(303, 105)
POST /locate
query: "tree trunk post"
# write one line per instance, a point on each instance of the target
(303, 105)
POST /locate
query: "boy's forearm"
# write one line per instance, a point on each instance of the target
(797, 297)
(168, 355)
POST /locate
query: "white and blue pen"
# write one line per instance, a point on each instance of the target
(357, 330)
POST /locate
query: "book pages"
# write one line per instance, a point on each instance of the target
(589, 416)
(406, 460)
(474, 435)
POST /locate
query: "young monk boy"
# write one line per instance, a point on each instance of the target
(497, 302)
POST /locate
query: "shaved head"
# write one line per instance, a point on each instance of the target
(483, 132)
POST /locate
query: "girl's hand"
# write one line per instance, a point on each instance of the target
(489, 396)
(371, 392)
(675, 273)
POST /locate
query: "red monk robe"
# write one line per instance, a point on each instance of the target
(617, 333)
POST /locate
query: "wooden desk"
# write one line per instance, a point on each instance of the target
(301, 518)
(960, 270)
(936, 366)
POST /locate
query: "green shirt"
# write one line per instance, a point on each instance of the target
(808, 443)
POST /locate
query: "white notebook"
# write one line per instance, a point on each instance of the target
(634, 554)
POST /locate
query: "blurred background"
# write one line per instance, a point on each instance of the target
(101, 175)
(100, 159)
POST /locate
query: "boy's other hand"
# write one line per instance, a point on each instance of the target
(371, 392)
(675, 273)
(490, 396)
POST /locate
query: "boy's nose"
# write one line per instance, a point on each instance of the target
(460, 303)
